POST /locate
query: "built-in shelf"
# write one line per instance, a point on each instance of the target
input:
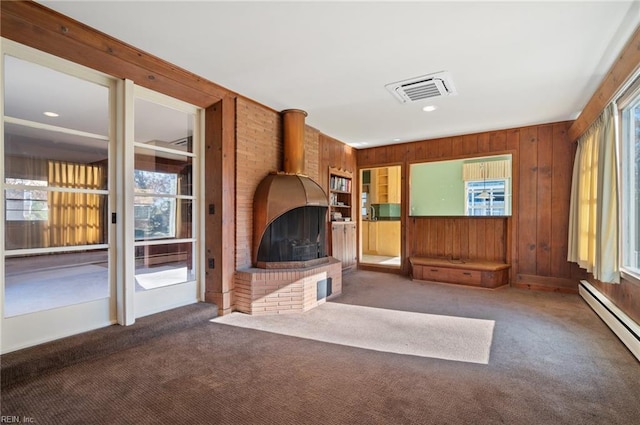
(340, 187)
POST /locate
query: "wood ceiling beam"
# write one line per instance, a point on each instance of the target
(626, 64)
(37, 26)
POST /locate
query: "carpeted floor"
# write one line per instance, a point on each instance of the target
(551, 361)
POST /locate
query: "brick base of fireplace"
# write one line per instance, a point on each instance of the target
(280, 291)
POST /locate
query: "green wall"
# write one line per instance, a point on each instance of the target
(437, 189)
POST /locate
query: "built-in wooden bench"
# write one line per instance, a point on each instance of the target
(486, 274)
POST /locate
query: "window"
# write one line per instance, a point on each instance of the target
(24, 204)
(630, 184)
(155, 204)
(486, 197)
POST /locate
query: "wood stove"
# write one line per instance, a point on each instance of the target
(292, 272)
(290, 209)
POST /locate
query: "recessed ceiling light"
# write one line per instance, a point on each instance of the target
(396, 139)
(51, 114)
(429, 108)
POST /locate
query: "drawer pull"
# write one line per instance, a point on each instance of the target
(467, 273)
(434, 270)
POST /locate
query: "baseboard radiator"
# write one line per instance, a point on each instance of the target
(622, 325)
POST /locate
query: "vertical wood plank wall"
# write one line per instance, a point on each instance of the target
(334, 153)
(534, 239)
(475, 238)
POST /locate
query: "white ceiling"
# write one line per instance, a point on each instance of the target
(513, 63)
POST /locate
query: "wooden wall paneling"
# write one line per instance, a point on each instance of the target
(481, 241)
(410, 153)
(495, 235)
(413, 238)
(382, 155)
(438, 229)
(626, 296)
(464, 238)
(470, 144)
(457, 147)
(512, 140)
(484, 142)
(497, 141)
(220, 227)
(527, 204)
(536, 228)
(473, 239)
(429, 236)
(562, 169)
(512, 143)
(394, 153)
(489, 239)
(543, 204)
(448, 237)
(444, 148)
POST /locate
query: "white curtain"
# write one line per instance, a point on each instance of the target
(593, 213)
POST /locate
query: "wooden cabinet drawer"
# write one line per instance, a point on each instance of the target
(467, 277)
(474, 273)
(437, 274)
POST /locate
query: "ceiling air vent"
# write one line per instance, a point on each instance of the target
(423, 87)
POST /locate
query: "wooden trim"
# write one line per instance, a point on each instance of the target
(627, 63)
(546, 283)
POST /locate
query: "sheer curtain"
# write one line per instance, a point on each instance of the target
(593, 213)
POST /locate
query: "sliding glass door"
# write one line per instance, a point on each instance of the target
(56, 186)
(100, 192)
(164, 173)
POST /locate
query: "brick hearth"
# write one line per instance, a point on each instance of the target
(279, 291)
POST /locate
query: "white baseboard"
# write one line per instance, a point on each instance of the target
(622, 325)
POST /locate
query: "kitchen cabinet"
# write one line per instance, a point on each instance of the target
(381, 238)
(385, 185)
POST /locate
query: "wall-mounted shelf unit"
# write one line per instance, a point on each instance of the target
(342, 216)
(340, 199)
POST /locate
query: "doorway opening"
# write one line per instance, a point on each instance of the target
(380, 216)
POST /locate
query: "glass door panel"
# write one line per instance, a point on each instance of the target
(55, 187)
(163, 203)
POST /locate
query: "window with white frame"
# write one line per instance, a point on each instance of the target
(486, 197)
(24, 201)
(630, 183)
(155, 204)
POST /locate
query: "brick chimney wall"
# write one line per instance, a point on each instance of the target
(259, 150)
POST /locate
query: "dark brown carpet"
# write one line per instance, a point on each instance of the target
(552, 362)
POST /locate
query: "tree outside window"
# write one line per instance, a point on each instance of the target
(155, 204)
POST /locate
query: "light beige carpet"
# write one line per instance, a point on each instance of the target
(393, 331)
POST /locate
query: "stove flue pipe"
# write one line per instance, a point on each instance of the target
(293, 135)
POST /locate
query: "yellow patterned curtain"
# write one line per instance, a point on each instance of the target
(75, 218)
(593, 213)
